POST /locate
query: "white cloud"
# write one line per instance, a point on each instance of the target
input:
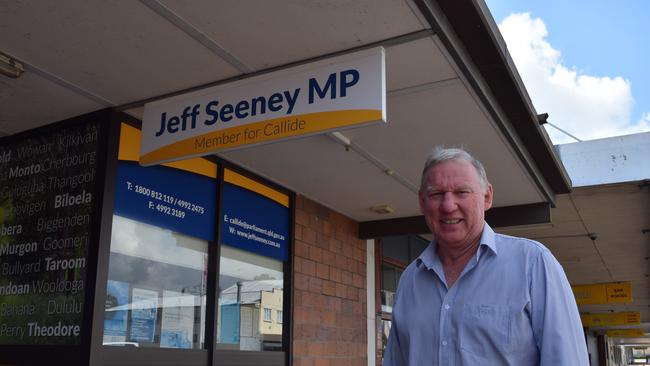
(589, 107)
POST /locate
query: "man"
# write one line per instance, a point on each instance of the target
(474, 297)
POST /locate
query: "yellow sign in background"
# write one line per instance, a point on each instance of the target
(610, 319)
(635, 333)
(603, 293)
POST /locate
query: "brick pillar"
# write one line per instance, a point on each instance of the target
(329, 292)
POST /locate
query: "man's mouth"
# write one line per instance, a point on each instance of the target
(451, 221)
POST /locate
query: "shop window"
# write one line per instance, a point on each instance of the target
(254, 238)
(390, 275)
(156, 287)
(396, 253)
(251, 288)
(395, 248)
(157, 275)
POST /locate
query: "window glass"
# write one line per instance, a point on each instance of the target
(156, 287)
(416, 246)
(397, 253)
(390, 279)
(250, 291)
(396, 247)
(385, 332)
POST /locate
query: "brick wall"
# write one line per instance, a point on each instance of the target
(329, 291)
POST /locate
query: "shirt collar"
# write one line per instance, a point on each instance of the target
(428, 257)
(488, 239)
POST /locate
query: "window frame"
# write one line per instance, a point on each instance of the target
(270, 315)
(272, 358)
(143, 260)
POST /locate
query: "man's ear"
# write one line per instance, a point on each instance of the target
(489, 194)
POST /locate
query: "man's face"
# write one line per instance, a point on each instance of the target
(454, 203)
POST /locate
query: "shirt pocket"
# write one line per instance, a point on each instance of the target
(485, 329)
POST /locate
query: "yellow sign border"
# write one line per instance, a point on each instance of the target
(260, 132)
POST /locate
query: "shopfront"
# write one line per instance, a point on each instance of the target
(108, 262)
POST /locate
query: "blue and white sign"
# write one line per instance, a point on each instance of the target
(117, 300)
(331, 94)
(144, 310)
(253, 222)
(166, 197)
(177, 326)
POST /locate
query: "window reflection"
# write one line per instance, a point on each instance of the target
(385, 332)
(156, 288)
(390, 279)
(250, 299)
(396, 253)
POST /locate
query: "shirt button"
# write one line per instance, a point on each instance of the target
(444, 343)
(447, 306)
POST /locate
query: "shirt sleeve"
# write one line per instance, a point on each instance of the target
(554, 315)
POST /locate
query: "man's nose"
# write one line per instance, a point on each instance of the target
(448, 202)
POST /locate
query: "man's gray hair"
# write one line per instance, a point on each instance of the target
(441, 154)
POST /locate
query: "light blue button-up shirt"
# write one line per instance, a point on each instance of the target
(511, 305)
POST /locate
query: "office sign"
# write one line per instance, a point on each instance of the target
(604, 293)
(611, 319)
(254, 223)
(47, 198)
(331, 94)
(254, 217)
(166, 197)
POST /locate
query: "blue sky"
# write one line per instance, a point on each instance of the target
(583, 62)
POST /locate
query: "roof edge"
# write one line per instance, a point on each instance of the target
(471, 35)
